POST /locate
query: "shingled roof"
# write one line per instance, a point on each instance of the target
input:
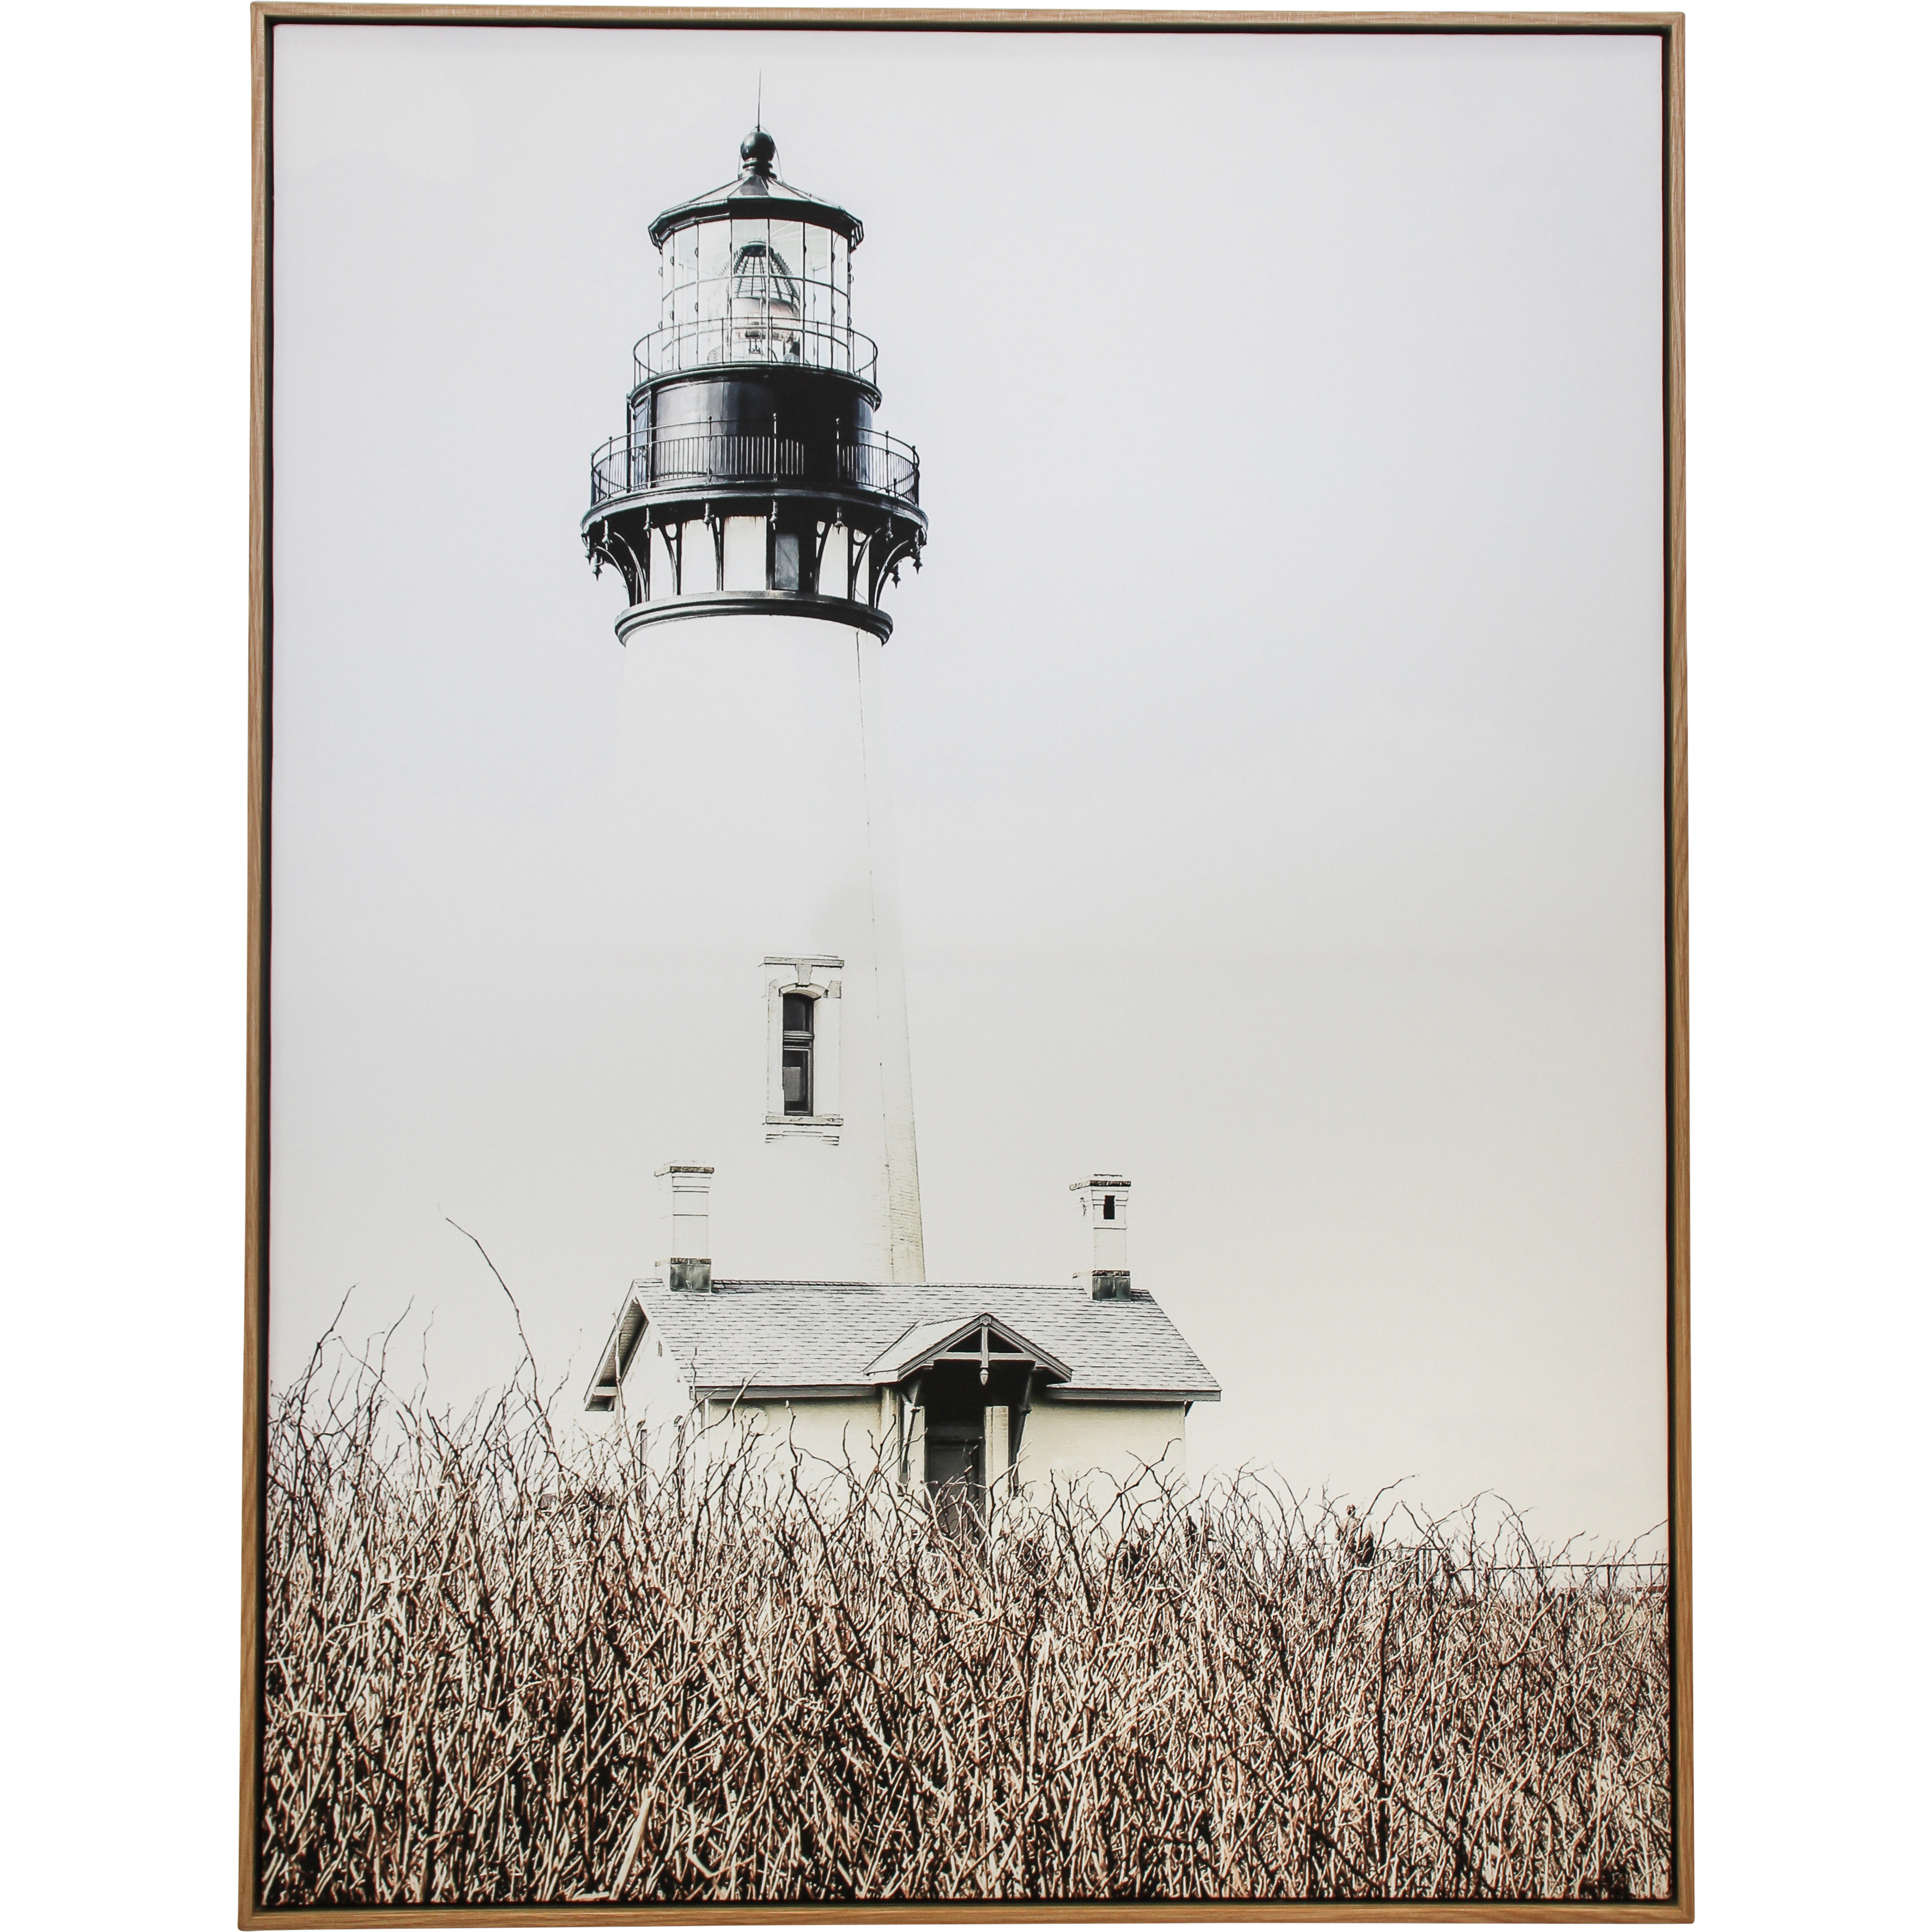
(764, 1339)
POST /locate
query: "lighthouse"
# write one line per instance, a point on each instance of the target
(756, 517)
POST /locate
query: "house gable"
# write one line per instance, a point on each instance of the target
(983, 1338)
(626, 1332)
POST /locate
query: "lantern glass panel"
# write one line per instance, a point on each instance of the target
(788, 254)
(818, 271)
(713, 267)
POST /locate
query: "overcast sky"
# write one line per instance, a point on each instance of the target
(1277, 719)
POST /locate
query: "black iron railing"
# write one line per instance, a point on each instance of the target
(702, 452)
(729, 456)
(873, 460)
(759, 337)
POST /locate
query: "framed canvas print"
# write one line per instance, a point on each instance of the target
(968, 1191)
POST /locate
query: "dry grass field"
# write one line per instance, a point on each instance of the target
(499, 1671)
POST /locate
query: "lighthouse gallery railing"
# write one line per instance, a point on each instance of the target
(866, 459)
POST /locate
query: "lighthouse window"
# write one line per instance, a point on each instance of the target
(802, 1048)
(797, 1051)
(1107, 1207)
(785, 562)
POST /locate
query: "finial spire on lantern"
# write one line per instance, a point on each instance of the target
(759, 152)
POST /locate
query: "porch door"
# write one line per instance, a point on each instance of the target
(956, 1475)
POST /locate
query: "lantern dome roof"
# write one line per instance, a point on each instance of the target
(758, 191)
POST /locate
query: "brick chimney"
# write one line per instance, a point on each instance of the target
(1103, 1203)
(686, 1196)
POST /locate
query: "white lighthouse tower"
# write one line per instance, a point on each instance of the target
(756, 514)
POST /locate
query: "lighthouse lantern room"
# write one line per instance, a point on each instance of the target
(751, 475)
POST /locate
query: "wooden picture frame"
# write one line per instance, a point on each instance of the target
(1668, 30)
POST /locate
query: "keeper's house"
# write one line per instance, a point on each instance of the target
(968, 1389)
